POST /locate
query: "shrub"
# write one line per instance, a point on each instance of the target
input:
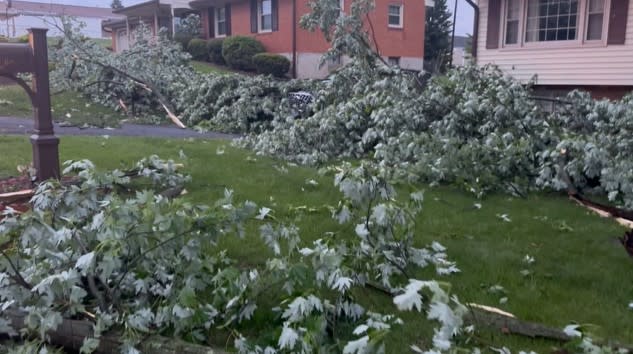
(238, 51)
(22, 39)
(272, 64)
(3, 39)
(183, 39)
(198, 49)
(214, 50)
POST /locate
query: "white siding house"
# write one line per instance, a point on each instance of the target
(17, 16)
(565, 43)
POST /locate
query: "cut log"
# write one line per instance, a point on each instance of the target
(71, 334)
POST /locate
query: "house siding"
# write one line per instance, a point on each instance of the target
(599, 65)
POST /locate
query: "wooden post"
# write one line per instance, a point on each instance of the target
(33, 58)
(45, 143)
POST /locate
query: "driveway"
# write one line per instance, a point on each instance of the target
(24, 126)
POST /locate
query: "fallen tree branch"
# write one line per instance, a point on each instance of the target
(12, 197)
(621, 216)
(70, 335)
(484, 316)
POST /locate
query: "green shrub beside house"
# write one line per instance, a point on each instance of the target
(271, 64)
(238, 52)
(214, 51)
(198, 49)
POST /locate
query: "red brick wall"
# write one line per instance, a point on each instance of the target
(597, 92)
(405, 42)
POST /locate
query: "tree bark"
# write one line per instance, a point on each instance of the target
(71, 334)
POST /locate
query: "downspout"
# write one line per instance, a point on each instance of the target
(453, 34)
(294, 39)
(473, 45)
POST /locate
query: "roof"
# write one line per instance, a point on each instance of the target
(28, 8)
(148, 7)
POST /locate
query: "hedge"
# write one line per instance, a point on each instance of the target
(183, 40)
(238, 51)
(198, 49)
(271, 64)
(214, 50)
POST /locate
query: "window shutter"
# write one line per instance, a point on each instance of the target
(227, 14)
(211, 16)
(274, 4)
(617, 21)
(253, 16)
(494, 24)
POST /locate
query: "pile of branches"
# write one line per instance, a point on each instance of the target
(474, 126)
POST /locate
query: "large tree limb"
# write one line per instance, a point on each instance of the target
(71, 334)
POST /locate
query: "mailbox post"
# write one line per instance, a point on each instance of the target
(33, 58)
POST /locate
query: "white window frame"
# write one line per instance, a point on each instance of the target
(260, 14)
(581, 29)
(216, 21)
(522, 16)
(400, 16)
(605, 20)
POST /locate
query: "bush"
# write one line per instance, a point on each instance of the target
(271, 64)
(21, 39)
(198, 49)
(214, 50)
(238, 51)
(4, 39)
(183, 39)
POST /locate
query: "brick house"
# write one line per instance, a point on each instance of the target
(568, 44)
(398, 29)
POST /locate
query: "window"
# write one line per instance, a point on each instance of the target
(395, 16)
(529, 22)
(595, 19)
(334, 61)
(393, 61)
(513, 15)
(220, 22)
(551, 20)
(265, 13)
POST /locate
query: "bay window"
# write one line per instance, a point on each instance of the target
(595, 19)
(533, 21)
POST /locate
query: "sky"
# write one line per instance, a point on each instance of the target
(464, 12)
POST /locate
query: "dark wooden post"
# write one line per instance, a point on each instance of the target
(45, 143)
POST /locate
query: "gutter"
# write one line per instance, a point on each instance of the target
(294, 39)
(473, 46)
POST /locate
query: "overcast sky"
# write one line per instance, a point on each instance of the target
(464, 12)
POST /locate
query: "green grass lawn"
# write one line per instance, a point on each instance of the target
(580, 274)
(208, 68)
(67, 106)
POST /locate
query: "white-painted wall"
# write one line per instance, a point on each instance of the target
(308, 65)
(22, 23)
(559, 65)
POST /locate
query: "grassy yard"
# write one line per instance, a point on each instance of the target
(68, 107)
(580, 274)
(208, 68)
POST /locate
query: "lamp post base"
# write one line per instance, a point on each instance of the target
(45, 156)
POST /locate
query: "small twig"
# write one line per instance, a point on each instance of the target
(18, 276)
